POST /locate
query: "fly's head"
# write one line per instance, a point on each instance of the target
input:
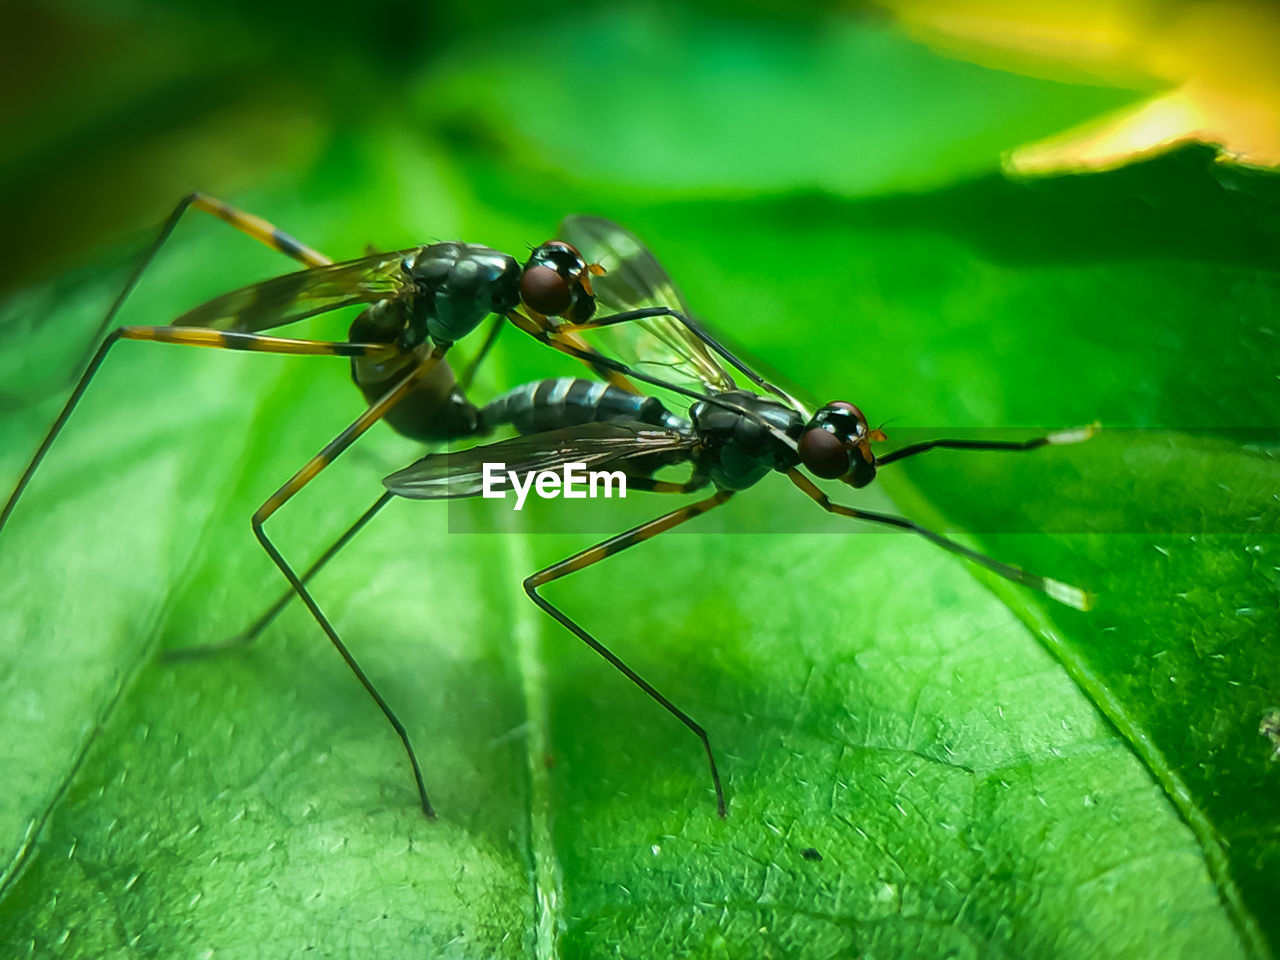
(557, 282)
(836, 445)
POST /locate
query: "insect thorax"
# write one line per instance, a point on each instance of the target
(737, 449)
(456, 286)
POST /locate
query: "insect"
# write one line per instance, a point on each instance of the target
(417, 303)
(731, 438)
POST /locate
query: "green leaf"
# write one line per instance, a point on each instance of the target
(869, 699)
(980, 773)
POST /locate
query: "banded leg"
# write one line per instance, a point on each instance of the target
(262, 231)
(612, 371)
(263, 620)
(246, 223)
(254, 227)
(299, 480)
(607, 548)
(695, 328)
(260, 623)
(254, 342)
(1062, 592)
(1058, 438)
(609, 374)
(191, 336)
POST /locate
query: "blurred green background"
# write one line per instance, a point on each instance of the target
(873, 201)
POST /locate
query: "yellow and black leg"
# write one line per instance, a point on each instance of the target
(580, 561)
(695, 328)
(251, 342)
(189, 336)
(548, 335)
(465, 380)
(568, 342)
(1062, 592)
(248, 224)
(263, 620)
(256, 227)
(299, 480)
(570, 345)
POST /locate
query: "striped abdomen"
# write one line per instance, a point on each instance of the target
(569, 401)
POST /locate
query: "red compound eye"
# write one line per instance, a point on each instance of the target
(823, 454)
(545, 291)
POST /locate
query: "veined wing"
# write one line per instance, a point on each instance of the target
(634, 279)
(296, 296)
(443, 476)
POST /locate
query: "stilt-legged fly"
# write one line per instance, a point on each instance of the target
(417, 302)
(731, 439)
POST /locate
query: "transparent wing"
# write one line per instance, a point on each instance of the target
(634, 279)
(296, 296)
(441, 476)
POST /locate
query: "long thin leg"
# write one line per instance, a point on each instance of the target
(1060, 437)
(260, 623)
(259, 229)
(568, 342)
(608, 548)
(689, 324)
(255, 227)
(191, 336)
(264, 619)
(299, 480)
(251, 633)
(246, 223)
(254, 342)
(584, 353)
(1062, 592)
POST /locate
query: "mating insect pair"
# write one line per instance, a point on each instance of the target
(421, 300)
